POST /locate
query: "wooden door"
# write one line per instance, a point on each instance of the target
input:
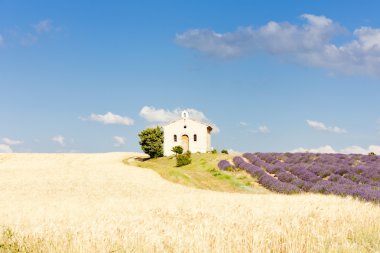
(185, 143)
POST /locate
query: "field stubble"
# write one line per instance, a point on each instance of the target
(95, 203)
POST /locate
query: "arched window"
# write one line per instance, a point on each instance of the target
(175, 138)
(195, 137)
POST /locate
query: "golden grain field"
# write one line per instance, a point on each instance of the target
(95, 203)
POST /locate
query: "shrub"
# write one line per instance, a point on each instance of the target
(238, 161)
(224, 152)
(214, 151)
(151, 140)
(177, 150)
(183, 159)
(225, 165)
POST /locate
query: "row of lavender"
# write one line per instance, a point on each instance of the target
(354, 175)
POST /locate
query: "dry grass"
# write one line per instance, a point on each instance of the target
(94, 203)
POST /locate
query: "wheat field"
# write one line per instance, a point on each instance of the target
(95, 203)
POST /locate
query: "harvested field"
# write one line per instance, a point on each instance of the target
(95, 203)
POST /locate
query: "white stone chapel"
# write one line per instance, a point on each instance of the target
(192, 135)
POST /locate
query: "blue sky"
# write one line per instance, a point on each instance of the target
(86, 76)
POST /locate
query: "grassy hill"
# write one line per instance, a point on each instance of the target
(202, 173)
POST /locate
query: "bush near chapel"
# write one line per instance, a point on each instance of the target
(177, 150)
(183, 159)
(151, 142)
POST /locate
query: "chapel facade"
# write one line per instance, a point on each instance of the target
(192, 135)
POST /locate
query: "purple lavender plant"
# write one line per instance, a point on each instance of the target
(225, 165)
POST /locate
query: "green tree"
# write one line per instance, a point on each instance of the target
(177, 150)
(151, 141)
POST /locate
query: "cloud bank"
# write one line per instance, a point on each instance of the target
(309, 43)
(5, 148)
(163, 116)
(349, 150)
(325, 149)
(11, 142)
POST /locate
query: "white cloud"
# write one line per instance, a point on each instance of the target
(119, 141)
(318, 21)
(5, 148)
(1, 40)
(317, 125)
(59, 139)
(374, 148)
(360, 150)
(212, 43)
(234, 152)
(261, 130)
(354, 150)
(37, 31)
(310, 43)
(11, 142)
(242, 123)
(348, 150)
(299, 150)
(152, 114)
(43, 26)
(29, 39)
(264, 129)
(273, 37)
(110, 118)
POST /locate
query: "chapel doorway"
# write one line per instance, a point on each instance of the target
(185, 143)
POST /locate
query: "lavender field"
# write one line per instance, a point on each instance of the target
(338, 174)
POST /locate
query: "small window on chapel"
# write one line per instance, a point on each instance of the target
(195, 137)
(175, 138)
(184, 126)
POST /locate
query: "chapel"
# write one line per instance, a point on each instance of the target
(192, 135)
